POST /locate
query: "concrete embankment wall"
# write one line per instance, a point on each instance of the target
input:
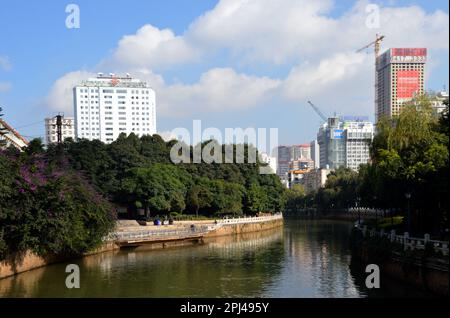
(429, 274)
(23, 263)
(239, 228)
(29, 261)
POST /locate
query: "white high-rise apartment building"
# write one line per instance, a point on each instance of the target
(67, 129)
(107, 106)
(358, 138)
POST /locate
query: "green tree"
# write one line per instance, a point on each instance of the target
(255, 199)
(410, 156)
(199, 197)
(295, 198)
(160, 187)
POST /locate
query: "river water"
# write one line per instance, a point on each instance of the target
(304, 258)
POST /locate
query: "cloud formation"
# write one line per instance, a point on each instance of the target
(151, 47)
(5, 87)
(5, 64)
(60, 97)
(305, 36)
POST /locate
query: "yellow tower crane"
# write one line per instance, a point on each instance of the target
(377, 45)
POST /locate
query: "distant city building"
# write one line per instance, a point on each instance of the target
(399, 77)
(437, 101)
(301, 151)
(11, 136)
(271, 161)
(315, 179)
(331, 144)
(107, 106)
(295, 177)
(67, 131)
(283, 159)
(315, 153)
(344, 143)
(301, 164)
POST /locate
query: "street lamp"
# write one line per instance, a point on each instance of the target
(408, 197)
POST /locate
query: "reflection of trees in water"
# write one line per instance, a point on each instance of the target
(305, 258)
(388, 287)
(21, 285)
(320, 248)
(232, 266)
(237, 245)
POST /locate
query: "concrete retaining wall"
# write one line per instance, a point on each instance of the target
(430, 274)
(31, 261)
(232, 229)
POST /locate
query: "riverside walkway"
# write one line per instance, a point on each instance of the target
(134, 236)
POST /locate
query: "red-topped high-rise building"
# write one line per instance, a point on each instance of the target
(400, 77)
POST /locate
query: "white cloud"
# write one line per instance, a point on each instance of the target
(60, 97)
(151, 47)
(300, 34)
(5, 87)
(336, 83)
(5, 64)
(218, 90)
(263, 30)
(297, 30)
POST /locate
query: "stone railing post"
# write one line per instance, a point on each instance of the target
(405, 240)
(382, 233)
(426, 239)
(364, 230)
(444, 248)
(392, 235)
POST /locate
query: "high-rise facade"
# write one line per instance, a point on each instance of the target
(302, 151)
(358, 136)
(344, 143)
(67, 129)
(399, 77)
(331, 140)
(107, 106)
(315, 153)
(283, 156)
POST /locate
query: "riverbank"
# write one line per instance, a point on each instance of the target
(156, 237)
(304, 258)
(350, 215)
(425, 269)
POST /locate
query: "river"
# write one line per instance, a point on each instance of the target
(304, 258)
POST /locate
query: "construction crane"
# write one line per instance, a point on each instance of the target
(317, 110)
(376, 43)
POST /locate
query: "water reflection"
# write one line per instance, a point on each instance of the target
(305, 258)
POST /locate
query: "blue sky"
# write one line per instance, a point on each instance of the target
(250, 45)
